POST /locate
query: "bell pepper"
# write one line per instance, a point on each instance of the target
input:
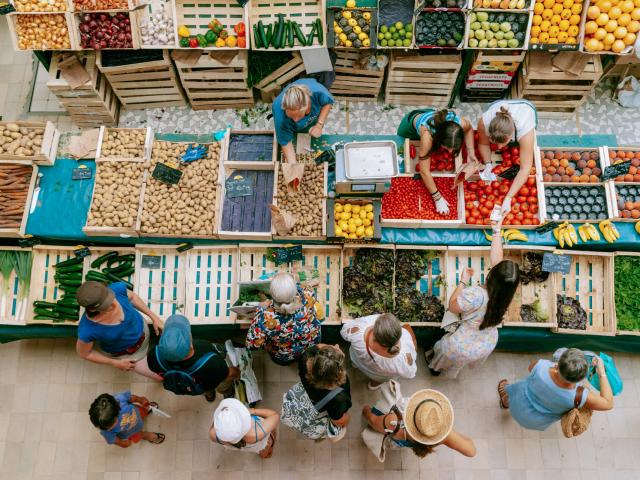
(184, 42)
(193, 42)
(202, 41)
(223, 34)
(240, 29)
(215, 26)
(211, 37)
(183, 32)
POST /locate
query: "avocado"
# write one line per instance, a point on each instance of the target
(357, 43)
(343, 22)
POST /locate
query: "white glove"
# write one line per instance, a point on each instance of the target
(487, 175)
(442, 206)
(506, 205)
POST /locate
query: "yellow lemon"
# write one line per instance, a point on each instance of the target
(368, 207)
(360, 231)
(366, 222)
(370, 215)
(355, 209)
(574, 30)
(363, 214)
(358, 222)
(557, 8)
(338, 207)
(368, 231)
(574, 19)
(343, 224)
(338, 231)
(345, 216)
(538, 8)
(351, 4)
(352, 229)
(577, 8)
(347, 207)
(537, 19)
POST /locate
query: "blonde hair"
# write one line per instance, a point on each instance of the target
(296, 97)
(284, 292)
(501, 127)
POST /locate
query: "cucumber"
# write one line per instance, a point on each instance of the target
(71, 269)
(122, 272)
(319, 31)
(123, 267)
(45, 317)
(102, 259)
(311, 35)
(115, 279)
(43, 304)
(290, 32)
(69, 283)
(95, 276)
(279, 29)
(120, 259)
(256, 37)
(298, 32)
(263, 36)
(269, 34)
(68, 263)
(285, 35)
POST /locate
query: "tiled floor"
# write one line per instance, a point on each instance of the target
(45, 433)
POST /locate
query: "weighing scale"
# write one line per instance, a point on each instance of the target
(365, 168)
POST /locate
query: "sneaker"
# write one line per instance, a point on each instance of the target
(373, 385)
(340, 436)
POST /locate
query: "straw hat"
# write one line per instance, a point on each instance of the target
(428, 417)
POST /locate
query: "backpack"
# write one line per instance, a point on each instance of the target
(181, 382)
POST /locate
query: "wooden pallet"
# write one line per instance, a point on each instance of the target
(91, 105)
(213, 85)
(353, 82)
(13, 310)
(212, 284)
(196, 15)
(15, 29)
(162, 288)
(10, 232)
(421, 79)
(271, 85)
(253, 263)
(48, 148)
(138, 86)
(555, 92)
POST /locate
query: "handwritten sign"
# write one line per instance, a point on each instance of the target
(82, 252)
(286, 254)
(29, 241)
(510, 173)
(552, 262)
(183, 247)
(81, 173)
(238, 186)
(613, 171)
(547, 227)
(166, 174)
(152, 262)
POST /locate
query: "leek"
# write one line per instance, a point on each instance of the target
(22, 262)
(6, 267)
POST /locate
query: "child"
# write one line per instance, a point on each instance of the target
(120, 418)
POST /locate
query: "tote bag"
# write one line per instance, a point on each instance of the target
(390, 397)
(300, 413)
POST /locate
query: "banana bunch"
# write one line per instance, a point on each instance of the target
(609, 231)
(588, 232)
(565, 234)
(637, 227)
(509, 235)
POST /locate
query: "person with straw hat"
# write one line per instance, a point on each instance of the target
(425, 422)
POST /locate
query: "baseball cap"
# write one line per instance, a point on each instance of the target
(175, 342)
(231, 420)
(95, 296)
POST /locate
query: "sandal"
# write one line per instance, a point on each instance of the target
(159, 438)
(502, 392)
(268, 451)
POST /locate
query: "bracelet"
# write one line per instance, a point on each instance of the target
(320, 122)
(462, 283)
(436, 195)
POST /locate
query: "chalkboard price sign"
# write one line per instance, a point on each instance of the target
(81, 173)
(82, 252)
(510, 173)
(166, 174)
(29, 241)
(152, 262)
(286, 254)
(613, 171)
(552, 262)
(547, 227)
(239, 186)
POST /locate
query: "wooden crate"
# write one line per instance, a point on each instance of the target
(304, 12)
(13, 311)
(421, 79)
(91, 105)
(213, 85)
(231, 152)
(271, 85)
(43, 284)
(556, 93)
(354, 82)
(545, 215)
(48, 148)
(253, 263)
(527, 33)
(152, 84)
(21, 231)
(146, 147)
(538, 154)
(144, 16)
(498, 60)
(634, 333)
(162, 288)
(212, 284)
(590, 280)
(196, 15)
(583, 37)
(76, 20)
(12, 22)
(99, 251)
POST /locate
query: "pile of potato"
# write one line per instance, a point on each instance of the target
(20, 141)
(40, 5)
(306, 203)
(123, 143)
(116, 194)
(42, 32)
(187, 208)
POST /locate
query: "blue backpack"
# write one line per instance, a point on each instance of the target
(181, 382)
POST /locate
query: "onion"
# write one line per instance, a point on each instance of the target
(99, 34)
(121, 37)
(128, 36)
(103, 44)
(84, 28)
(86, 17)
(103, 17)
(93, 24)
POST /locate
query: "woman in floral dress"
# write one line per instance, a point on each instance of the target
(481, 308)
(288, 324)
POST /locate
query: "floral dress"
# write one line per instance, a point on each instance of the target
(286, 337)
(468, 345)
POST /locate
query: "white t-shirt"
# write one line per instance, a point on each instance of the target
(524, 115)
(374, 366)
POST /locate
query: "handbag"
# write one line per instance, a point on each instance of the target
(300, 413)
(612, 375)
(576, 421)
(391, 399)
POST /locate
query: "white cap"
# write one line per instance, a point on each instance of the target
(231, 420)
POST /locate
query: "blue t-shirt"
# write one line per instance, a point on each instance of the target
(425, 120)
(129, 420)
(285, 127)
(114, 338)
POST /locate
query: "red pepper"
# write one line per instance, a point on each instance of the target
(412, 151)
(240, 29)
(193, 42)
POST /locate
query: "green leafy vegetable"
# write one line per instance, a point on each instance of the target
(627, 292)
(6, 267)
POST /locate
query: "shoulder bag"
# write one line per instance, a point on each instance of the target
(300, 413)
(390, 400)
(576, 421)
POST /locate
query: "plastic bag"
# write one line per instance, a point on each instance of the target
(612, 375)
(629, 92)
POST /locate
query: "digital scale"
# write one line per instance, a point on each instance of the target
(365, 168)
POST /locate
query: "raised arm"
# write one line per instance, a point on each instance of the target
(460, 443)
(526, 162)
(483, 142)
(497, 252)
(604, 401)
(468, 139)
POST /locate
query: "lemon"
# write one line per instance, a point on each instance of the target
(352, 221)
(368, 207)
(370, 215)
(345, 216)
(368, 231)
(338, 207)
(351, 4)
(343, 224)
(346, 14)
(355, 209)
(347, 207)
(366, 222)
(352, 235)
(338, 231)
(357, 222)
(352, 228)
(362, 214)
(360, 231)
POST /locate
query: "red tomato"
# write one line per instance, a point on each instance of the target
(516, 222)
(491, 198)
(524, 207)
(504, 189)
(527, 221)
(532, 200)
(521, 199)
(524, 191)
(515, 208)
(534, 209)
(531, 181)
(472, 187)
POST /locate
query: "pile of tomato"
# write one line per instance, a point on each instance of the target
(442, 160)
(480, 198)
(408, 198)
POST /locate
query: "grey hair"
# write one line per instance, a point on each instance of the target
(573, 365)
(284, 292)
(387, 331)
(296, 97)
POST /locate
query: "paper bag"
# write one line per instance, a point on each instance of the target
(292, 173)
(572, 63)
(224, 58)
(282, 221)
(73, 72)
(187, 57)
(83, 146)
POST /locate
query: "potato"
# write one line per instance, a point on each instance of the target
(123, 143)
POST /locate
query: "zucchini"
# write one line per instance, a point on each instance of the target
(115, 279)
(71, 269)
(95, 276)
(263, 36)
(290, 32)
(256, 37)
(68, 263)
(46, 317)
(117, 268)
(69, 283)
(70, 301)
(103, 258)
(298, 32)
(285, 35)
(311, 35)
(43, 304)
(278, 36)
(120, 259)
(269, 34)
(121, 272)
(319, 31)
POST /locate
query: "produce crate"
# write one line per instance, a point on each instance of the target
(522, 44)
(197, 15)
(377, 219)
(213, 85)
(98, 6)
(104, 131)
(498, 60)
(580, 200)
(354, 82)
(590, 280)
(448, 13)
(162, 288)
(613, 156)
(43, 284)
(621, 193)
(14, 29)
(573, 29)
(411, 163)
(33, 6)
(556, 93)
(13, 311)
(548, 173)
(421, 79)
(271, 85)
(304, 12)
(250, 149)
(392, 11)
(254, 264)
(115, 231)
(133, 20)
(388, 222)
(628, 49)
(163, 7)
(627, 283)
(47, 150)
(211, 284)
(91, 105)
(334, 41)
(494, 5)
(99, 251)
(141, 82)
(12, 232)
(247, 217)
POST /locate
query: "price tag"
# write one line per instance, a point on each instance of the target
(82, 251)
(286, 254)
(510, 173)
(238, 186)
(613, 171)
(552, 262)
(29, 241)
(184, 247)
(547, 227)
(81, 173)
(6, 8)
(166, 174)
(152, 262)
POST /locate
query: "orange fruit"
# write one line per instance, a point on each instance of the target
(549, 3)
(636, 3)
(608, 39)
(567, 3)
(566, 14)
(537, 20)
(535, 31)
(574, 19)
(600, 34)
(611, 26)
(593, 12)
(592, 45)
(564, 25)
(544, 37)
(635, 14)
(554, 31)
(545, 25)
(633, 26)
(627, 6)
(557, 9)
(562, 37)
(604, 5)
(629, 39)
(615, 12)
(553, 41)
(555, 20)
(620, 32)
(538, 8)
(577, 8)
(573, 31)
(534, 40)
(602, 19)
(590, 27)
(547, 14)
(618, 46)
